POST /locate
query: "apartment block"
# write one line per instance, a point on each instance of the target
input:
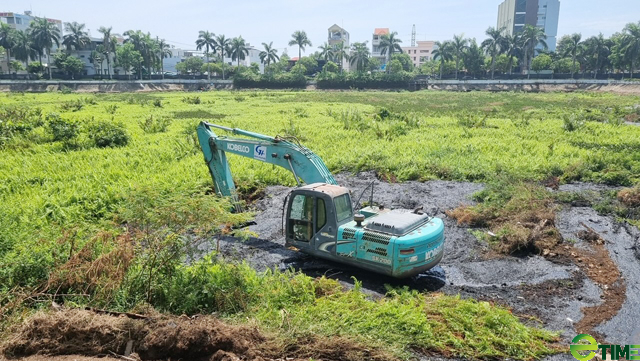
(420, 53)
(338, 36)
(513, 15)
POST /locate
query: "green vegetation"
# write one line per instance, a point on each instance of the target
(103, 197)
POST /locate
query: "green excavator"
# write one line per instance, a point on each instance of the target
(319, 214)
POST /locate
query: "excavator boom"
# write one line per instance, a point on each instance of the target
(305, 165)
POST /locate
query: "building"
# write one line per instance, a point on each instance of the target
(421, 53)
(21, 22)
(513, 15)
(337, 37)
(375, 44)
(252, 57)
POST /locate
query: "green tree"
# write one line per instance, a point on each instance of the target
(309, 63)
(164, 51)
(68, 64)
(570, 45)
(374, 64)
(108, 46)
(44, 34)
(326, 52)
(341, 52)
(443, 52)
(128, 58)
(395, 66)
(330, 67)
(541, 62)
(7, 34)
(269, 54)
(23, 49)
(405, 60)
(429, 67)
(35, 67)
(97, 58)
(389, 43)
(15, 66)
(299, 37)
(563, 66)
(360, 56)
(597, 50)
(207, 41)
(473, 58)
(140, 43)
(76, 38)
(222, 46)
(512, 47)
(631, 43)
(532, 36)
(494, 45)
(459, 44)
(501, 63)
(238, 49)
(191, 65)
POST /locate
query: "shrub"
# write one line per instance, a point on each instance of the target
(157, 125)
(105, 134)
(572, 122)
(62, 129)
(111, 108)
(72, 105)
(157, 103)
(191, 100)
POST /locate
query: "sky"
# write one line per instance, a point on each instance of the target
(179, 21)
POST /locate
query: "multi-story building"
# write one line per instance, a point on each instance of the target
(420, 53)
(375, 44)
(21, 22)
(339, 37)
(513, 15)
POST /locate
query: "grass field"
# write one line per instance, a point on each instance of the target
(96, 200)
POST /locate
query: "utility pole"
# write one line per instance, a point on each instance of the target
(413, 35)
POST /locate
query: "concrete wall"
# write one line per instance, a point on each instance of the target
(548, 85)
(41, 86)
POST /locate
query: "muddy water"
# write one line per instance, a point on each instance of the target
(554, 292)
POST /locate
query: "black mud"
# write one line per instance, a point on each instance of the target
(552, 290)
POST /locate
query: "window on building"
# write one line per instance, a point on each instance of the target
(521, 6)
(11, 21)
(520, 18)
(375, 37)
(18, 21)
(414, 58)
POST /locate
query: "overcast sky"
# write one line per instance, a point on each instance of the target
(178, 21)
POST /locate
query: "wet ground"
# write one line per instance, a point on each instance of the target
(553, 290)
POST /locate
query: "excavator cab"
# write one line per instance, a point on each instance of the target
(313, 214)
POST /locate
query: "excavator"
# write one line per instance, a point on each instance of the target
(319, 214)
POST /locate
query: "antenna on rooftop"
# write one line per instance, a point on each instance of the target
(413, 35)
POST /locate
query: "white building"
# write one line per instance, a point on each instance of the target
(375, 44)
(421, 53)
(513, 15)
(339, 37)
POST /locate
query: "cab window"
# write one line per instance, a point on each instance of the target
(301, 218)
(343, 207)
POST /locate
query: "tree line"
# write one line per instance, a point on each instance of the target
(526, 50)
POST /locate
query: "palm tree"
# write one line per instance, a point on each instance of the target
(222, 45)
(459, 44)
(238, 49)
(512, 45)
(341, 52)
(326, 51)
(97, 58)
(598, 48)
(359, 55)
(571, 45)
(530, 38)
(44, 34)
(494, 45)
(269, 54)
(23, 49)
(631, 43)
(206, 40)
(164, 51)
(444, 52)
(389, 44)
(108, 46)
(299, 37)
(140, 44)
(7, 40)
(76, 38)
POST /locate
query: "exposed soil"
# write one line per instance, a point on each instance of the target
(162, 337)
(558, 286)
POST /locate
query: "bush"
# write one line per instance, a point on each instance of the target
(157, 125)
(270, 80)
(111, 108)
(355, 80)
(105, 134)
(191, 100)
(157, 103)
(62, 129)
(71, 105)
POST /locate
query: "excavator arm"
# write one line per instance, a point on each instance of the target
(305, 165)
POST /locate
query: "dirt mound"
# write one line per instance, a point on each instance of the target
(161, 337)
